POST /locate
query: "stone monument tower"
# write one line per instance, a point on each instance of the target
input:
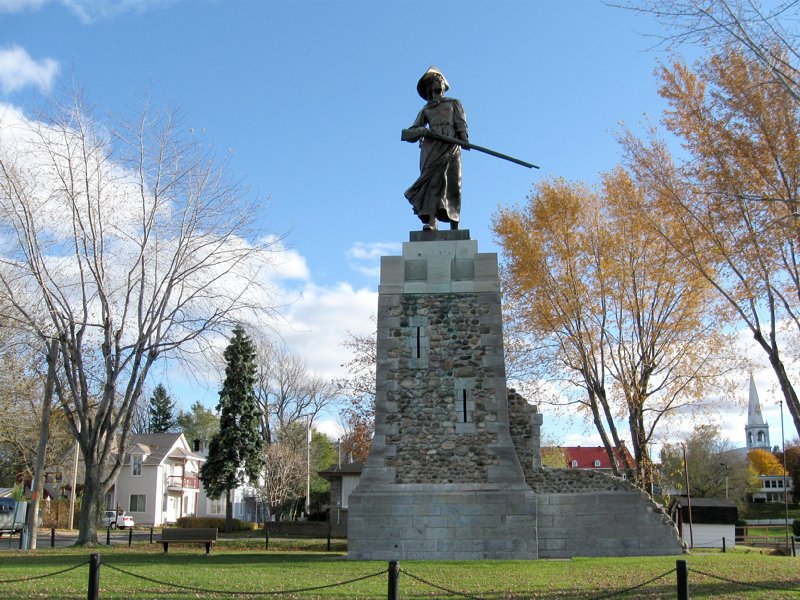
(443, 479)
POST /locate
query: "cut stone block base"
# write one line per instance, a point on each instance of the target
(443, 522)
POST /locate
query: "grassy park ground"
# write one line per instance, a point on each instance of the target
(236, 567)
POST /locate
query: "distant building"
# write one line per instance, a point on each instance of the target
(774, 488)
(707, 522)
(344, 479)
(595, 458)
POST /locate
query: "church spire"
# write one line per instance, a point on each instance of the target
(756, 430)
(754, 416)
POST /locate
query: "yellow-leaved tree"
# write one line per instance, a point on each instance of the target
(606, 308)
(764, 462)
(731, 209)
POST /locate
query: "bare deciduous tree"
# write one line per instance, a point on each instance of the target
(287, 390)
(283, 475)
(760, 32)
(124, 243)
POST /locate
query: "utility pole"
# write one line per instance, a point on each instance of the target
(785, 491)
(727, 468)
(308, 466)
(688, 496)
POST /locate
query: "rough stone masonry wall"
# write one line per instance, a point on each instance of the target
(582, 512)
(434, 451)
(525, 424)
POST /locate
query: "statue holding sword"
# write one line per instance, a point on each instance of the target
(442, 127)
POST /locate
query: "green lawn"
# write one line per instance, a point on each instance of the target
(770, 510)
(234, 568)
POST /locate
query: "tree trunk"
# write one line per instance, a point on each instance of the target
(789, 394)
(90, 503)
(228, 512)
(44, 433)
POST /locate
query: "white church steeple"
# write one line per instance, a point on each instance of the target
(756, 430)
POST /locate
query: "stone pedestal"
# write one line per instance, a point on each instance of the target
(442, 480)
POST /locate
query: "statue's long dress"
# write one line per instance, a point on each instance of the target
(437, 191)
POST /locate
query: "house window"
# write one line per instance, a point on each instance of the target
(136, 465)
(574, 464)
(216, 507)
(138, 503)
(597, 463)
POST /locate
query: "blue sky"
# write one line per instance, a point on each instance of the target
(310, 97)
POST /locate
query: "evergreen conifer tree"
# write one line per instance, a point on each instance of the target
(236, 451)
(162, 411)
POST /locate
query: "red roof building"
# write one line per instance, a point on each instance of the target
(594, 457)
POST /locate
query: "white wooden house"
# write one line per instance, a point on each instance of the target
(159, 479)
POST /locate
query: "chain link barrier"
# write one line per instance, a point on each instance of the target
(635, 587)
(239, 593)
(747, 583)
(53, 574)
(440, 587)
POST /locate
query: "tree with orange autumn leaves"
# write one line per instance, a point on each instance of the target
(731, 209)
(608, 309)
(358, 389)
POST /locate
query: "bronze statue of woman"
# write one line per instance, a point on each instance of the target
(436, 194)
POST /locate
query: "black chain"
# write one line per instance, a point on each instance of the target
(236, 593)
(636, 587)
(745, 583)
(442, 588)
(68, 569)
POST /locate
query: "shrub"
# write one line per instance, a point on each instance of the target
(217, 522)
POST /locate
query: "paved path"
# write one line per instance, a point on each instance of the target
(67, 538)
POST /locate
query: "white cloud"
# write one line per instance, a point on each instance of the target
(88, 11)
(288, 264)
(329, 427)
(15, 6)
(319, 320)
(365, 258)
(18, 70)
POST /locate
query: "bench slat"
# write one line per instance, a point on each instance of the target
(180, 534)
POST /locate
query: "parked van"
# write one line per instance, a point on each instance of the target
(12, 515)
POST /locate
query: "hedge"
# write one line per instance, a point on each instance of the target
(217, 522)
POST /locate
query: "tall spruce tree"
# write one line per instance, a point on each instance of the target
(236, 451)
(162, 411)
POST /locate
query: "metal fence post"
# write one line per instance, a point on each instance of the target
(394, 577)
(108, 536)
(130, 536)
(151, 535)
(682, 569)
(266, 535)
(723, 544)
(52, 537)
(94, 577)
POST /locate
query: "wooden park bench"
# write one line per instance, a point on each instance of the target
(185, 535)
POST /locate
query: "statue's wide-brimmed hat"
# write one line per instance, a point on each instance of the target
(422, 84)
